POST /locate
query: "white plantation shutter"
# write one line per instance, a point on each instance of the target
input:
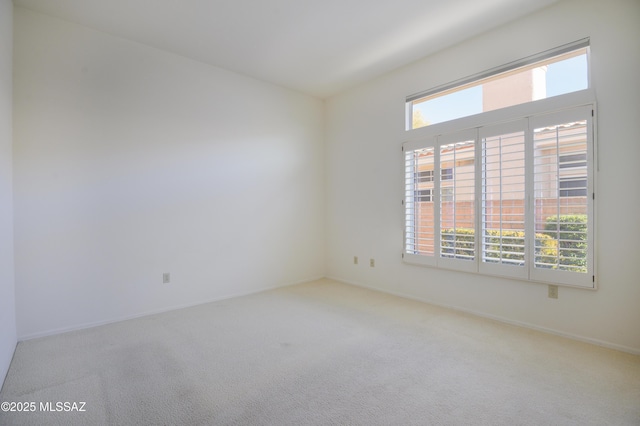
(457, 223)
(563, 197)
(419, 203)
(513, 199)
(502, 242)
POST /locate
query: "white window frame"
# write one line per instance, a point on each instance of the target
(538, 113)
(496, 72)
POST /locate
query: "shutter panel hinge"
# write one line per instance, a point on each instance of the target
(594, 195)
(403, 255)
(593, 278)
(592, 114)
(402, 202)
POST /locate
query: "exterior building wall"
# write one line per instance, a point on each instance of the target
(515, 88)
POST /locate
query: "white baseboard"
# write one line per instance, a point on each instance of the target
(571, 336)
(83, 326)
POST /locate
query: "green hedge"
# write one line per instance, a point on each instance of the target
(562, 245)
(570, 231)
(458, 245)
(461, 245)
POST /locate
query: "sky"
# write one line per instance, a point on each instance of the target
(562, 77)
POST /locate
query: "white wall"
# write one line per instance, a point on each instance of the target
(7, 297)
(364, 186)
(131, 162)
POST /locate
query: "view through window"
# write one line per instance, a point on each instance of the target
(511, 199)
(554, 76)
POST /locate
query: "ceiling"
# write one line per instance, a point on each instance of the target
(316, 47)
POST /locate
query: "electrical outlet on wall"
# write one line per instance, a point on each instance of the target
(553, 291)
(166, 278)
(355, 260)
(372, 262)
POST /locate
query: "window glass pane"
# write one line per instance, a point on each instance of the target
(566, 76)
(503, 199)
(560, 193)
(554, 76)
(419, 187)
(457, 206)
(448, 107)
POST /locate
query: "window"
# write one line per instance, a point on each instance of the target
(419, 211)
(563, 209)
(457, 205)
(425, 175)
(573, 187)
(573, 173)
(548, 74)
(513, 199)
(424, 195)
(499, 178)
(447, 173)
(503, 210)
(573, 161)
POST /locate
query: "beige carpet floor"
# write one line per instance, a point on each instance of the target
(315, 354)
